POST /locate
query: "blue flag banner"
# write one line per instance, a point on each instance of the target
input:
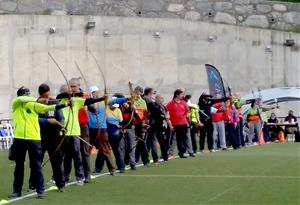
(215, 82)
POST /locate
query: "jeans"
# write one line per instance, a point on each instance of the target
(181, 136)
(206, 133)
(161, 135)
(193, 133)
(254, 128)
(219, 134)
(152, 143)
(130, 146)
(85, 151)
(239, 132)
(73, 152)
(141, 146)
(118, 145)
(188, 142)
(55, 145)
(231, 134)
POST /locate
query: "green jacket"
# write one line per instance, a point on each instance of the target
(254, 111)
(26, 119)
(239, 103)
(71, 116)
(194, 114)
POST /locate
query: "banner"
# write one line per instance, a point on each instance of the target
(215, 82)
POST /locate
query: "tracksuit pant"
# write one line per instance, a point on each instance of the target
(35, 152)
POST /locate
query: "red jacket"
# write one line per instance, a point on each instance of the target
(83, 117)
(219, 115)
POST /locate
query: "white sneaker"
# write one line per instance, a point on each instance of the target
(51, 181)
(79, 183)
(212, 150)
(255, 143)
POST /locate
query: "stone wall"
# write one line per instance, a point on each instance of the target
(253, 13)
(162, 53)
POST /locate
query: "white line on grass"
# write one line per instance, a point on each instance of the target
(208, 176)
(4, 201)
(220, 194)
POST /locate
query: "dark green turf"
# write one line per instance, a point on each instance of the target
(267, 174)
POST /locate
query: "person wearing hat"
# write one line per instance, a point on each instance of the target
(114, 118)
(27, 137)
(97, 117)
(98, 130)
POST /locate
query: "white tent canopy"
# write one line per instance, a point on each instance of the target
(274, 95)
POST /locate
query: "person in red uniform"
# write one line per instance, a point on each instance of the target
(179, 117)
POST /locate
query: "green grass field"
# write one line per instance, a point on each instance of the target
(267, 174)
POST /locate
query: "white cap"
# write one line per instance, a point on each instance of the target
(116, 105)
(93, 89)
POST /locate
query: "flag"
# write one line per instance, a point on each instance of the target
(215, 82)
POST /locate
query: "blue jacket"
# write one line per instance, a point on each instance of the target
(101, 113)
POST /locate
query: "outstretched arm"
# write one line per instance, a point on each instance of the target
(90, 101)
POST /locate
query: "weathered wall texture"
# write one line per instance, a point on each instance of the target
(254, 13)
(131, 51)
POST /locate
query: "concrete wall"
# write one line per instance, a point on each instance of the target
(131, 51)
(255, 13)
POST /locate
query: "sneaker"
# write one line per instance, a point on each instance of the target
(182, 156)
(96, 171)
(212, 150)
(14, 195)
(225, 149)
(31, 189)
(86, 181)
(132, 167)
(51, 181)
(40, 196)
(62, 189)
(192, 155)
(147, 165)
(172, 157)
(112, 173)
(79, 183)
(255, 143)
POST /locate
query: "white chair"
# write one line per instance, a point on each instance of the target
(7, 140)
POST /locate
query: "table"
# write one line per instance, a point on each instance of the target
(285, 125)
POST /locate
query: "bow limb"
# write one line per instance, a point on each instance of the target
(100, 134)
(130, 85)
(102, 75)
(69, 113)
(81, 73)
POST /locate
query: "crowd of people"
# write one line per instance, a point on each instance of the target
(122, 129)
